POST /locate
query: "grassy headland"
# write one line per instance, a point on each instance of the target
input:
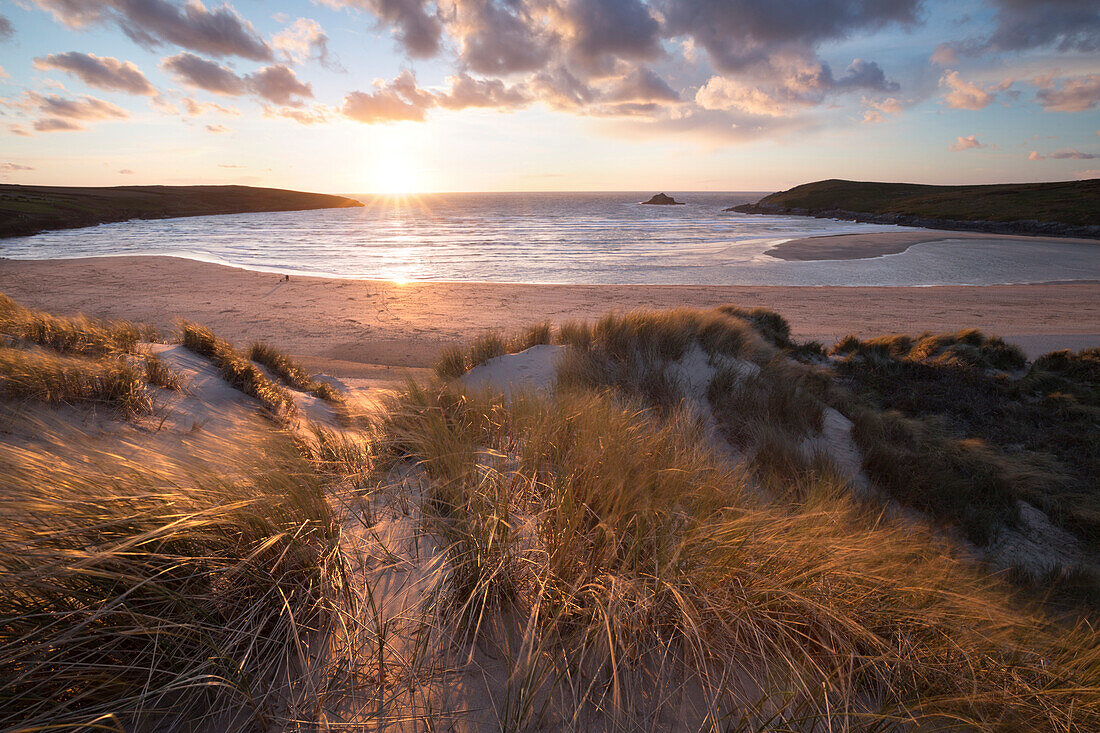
(1069, 208)
(28, 210)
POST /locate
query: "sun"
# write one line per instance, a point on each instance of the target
(394, 175)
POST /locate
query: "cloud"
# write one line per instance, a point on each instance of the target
(738, 34)
(788, 85)
(593, 57)
(945, 54)
(7, 30)
(199, 73)
(963, 94)
(641, 85)
(396, 101)
(597, 32)
(464, 91)
(319, 114)
(1022, 25)
(1063, 154)
(217, 129)
(416, 23)
(562, 90)
(276, 83)
(1068, 25)
(19, 130)
(56, 124)
(302, 41)
(878, 110)
(1077, 94)
(56, 113)
(126, 172)
(230, 165)
(499, 38)
(86, 108)
(14, 167)
(195, 108)
(103, 72)
(219, 32)
(970, 142)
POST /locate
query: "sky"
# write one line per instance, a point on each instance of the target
(388, 96)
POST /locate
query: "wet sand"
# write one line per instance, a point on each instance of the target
(376, 329)
(860, 246)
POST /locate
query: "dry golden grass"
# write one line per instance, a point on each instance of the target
(602, 563)
(644, 574)
(160, 374)
(968, 347)
(43, 376)
(76, 335)
(136, 600)
(237, 370)
(291, 373)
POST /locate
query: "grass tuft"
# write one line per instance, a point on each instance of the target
(291, 373)
(238, 371)
(43, 376)
(767, 323)
(160, 374)
(76, 335)
(151, 603)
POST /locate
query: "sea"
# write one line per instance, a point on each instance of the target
(559, 238)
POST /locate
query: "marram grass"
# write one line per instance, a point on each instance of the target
(643, 570)
(75, 335)
(131, 600)
(291, 373)
(42, 376)
(237, 370)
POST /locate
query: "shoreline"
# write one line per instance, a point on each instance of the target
(376, 329)
(878, 244)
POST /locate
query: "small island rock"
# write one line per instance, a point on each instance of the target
(662, 200)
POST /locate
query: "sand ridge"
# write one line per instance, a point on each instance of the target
(876, 244)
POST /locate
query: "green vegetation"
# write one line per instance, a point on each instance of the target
(30, 209)
(973, 432)
(1076, 203)
(956, 426)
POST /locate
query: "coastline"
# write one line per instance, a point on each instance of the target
(877, 244)
(29, 210)
(375, 329)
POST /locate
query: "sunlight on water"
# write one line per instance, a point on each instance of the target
(557, 238)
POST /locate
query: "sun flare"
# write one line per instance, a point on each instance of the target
(395, 175)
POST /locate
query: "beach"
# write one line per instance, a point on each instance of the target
(860, 246)
(377, 329)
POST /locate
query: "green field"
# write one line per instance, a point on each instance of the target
(27, 210)
(1075, 203)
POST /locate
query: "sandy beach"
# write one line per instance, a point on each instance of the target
(859, 246)
(375, 329)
